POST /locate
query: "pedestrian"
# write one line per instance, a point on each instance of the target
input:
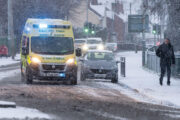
(167, 58)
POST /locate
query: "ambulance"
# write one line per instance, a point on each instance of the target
(48, 52)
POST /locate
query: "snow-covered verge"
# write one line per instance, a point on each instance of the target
(22, 113)
(18, 113)
(8, 61)
(8, 73)
(147, 83)
(7, 103)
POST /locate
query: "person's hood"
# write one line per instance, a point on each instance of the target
(101, 64)
(169, 45)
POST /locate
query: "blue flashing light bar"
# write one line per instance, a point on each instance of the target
(43, 26)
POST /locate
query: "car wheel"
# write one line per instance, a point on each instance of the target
(28, 77)
(115, 79)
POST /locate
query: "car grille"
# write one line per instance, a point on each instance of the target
(94, 47)
(53, 67)
(99, 71)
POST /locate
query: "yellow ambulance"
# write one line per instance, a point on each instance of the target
(47, 51)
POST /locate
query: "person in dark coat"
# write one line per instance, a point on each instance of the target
(167, 58)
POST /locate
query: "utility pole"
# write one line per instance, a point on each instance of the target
(11, 29)
(143, 39)
(130, 8)
(113, 32)
(87, 17)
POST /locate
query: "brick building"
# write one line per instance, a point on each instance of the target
(112, 18)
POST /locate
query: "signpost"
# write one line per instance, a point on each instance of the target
(139, 24)
(135, 23)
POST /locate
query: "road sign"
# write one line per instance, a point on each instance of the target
(135, 23)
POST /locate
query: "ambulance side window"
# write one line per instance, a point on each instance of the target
(25, 42)
(25, 45)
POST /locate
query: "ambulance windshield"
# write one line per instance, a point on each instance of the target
(52, 45)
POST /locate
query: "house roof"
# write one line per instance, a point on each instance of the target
(100, 9)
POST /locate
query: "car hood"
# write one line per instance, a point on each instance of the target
(101, 64)
(92, 45)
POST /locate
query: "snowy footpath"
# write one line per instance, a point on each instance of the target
(146, 82)
(9, 61)
(9, 110)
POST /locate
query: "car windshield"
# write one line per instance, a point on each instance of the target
(100, 56)
(111, 44)
(80, 41)
(93, 42)
(52, 45)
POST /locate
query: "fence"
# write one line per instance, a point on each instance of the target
(153, 63)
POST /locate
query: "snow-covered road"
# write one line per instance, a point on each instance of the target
(89, 100)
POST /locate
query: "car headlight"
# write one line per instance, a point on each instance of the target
(70, 61)
(35, 60)
(100, 47)
(85, 48)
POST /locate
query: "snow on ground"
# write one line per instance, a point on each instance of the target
(7, 103)
(22, 113)
(8, 73)
(147, 82)
(8, 61)
(19, 112)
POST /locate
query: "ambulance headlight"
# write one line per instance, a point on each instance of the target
(70, 61)
(35, 60)
(43, 26)
(100, 47)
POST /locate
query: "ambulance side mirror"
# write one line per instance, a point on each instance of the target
(78, 52)
(25, 51)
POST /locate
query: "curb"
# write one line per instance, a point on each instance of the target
(4, 104)
(10, 65)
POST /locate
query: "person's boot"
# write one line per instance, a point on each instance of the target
(168, 82)
(160, 81)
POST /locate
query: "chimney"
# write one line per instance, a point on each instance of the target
(94, 2)
(117, 7)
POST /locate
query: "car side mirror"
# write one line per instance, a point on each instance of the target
(78, 52)
(25, 51)
(81, 59)
(117, 62)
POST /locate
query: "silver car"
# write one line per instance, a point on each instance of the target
(99, 65)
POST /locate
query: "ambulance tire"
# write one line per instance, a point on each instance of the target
(22, 75)
(29, 77)
(73, 80)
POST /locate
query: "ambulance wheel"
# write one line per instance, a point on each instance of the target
(29, 77)
(22, 78)
(22, 75)
(73, 80)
